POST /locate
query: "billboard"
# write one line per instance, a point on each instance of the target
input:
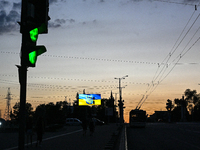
(89, 99)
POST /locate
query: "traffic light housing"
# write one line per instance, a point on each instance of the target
(169, 105)
(37, 15)
(36, 23)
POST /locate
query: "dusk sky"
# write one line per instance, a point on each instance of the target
(90, 42)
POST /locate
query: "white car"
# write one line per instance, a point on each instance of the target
(73, 122)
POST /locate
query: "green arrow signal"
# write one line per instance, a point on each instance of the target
(34, 34)
(33, 55)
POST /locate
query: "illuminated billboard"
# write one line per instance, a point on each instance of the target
(89, 99)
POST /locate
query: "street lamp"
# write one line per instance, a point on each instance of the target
(120, 99)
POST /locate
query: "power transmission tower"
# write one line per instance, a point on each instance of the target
(8, 106)
(69, 102)
(115, 98)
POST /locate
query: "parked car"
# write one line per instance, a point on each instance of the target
(73, 122)
(97, 121)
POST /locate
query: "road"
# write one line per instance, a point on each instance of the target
(164, 136)
(68, 138)
(9, 140)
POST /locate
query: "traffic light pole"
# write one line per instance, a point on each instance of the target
(22, 118)
(22, 70)
(34, 21)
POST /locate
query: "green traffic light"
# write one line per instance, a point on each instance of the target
(34, 34)
(32, 57)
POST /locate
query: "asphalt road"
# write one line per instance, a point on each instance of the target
(68, 138)
(9, 140)
(174, 136)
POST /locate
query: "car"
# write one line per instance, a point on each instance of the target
(98, 122)
(73, 122)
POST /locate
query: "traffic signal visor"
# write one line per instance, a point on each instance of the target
(34, 33)
(35, 50)
(33, 55)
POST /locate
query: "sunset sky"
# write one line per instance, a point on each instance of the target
(90, 42)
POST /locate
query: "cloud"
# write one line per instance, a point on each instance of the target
(4, 4)
(10, 12)
(12, 17)
(16, 6)
(56, 23)
(8, 22)
(9, 16)
(59, 22)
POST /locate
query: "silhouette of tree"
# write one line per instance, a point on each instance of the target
(176, 112)
(53, 113)
(194, 103)
(191, 96)
(180, 106)
(169, 105)
(16, 107)
(196, 114)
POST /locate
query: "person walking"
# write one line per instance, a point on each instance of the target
(91, 126)
(39, 130)
(84, 125)
(29, 130)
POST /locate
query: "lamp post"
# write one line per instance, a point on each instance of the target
(121, 112)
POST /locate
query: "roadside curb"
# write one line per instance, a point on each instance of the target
(114, 142)
(123, 139)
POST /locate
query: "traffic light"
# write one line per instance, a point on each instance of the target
(36, 23)
(169, 105)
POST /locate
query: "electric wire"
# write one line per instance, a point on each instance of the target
(174, 2)
(161, 80)
(173, 50)
(92, 59)
(166, 64)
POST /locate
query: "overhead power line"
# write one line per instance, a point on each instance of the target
(173, 2)
(160, 75)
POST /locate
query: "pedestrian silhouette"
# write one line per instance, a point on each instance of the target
(29, 130)
(84, 125)
(91, 126)
(39, 130)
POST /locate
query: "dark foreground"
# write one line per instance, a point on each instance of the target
(176, 136)
(68, 138)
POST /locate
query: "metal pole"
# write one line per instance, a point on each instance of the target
(22, 110)
(23, 76)
(120, 102)
(120, 97)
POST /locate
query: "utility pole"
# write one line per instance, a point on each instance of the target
(121, 108)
